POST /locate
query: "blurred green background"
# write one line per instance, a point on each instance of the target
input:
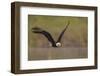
(74, 40)
(75, 35)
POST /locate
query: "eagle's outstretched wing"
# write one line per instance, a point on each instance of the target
(62, 33)
(45, 33)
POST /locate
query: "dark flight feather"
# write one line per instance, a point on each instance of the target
(62, 33)
(45, 33)
(48, 35)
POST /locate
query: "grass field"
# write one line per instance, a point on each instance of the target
(74, 41)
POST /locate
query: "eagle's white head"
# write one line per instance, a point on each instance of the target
(58, 44)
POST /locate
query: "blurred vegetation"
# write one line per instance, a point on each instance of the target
(75, 35)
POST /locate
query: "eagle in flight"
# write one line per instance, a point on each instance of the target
(49, 37)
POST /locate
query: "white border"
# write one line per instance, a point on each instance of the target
(25, 64)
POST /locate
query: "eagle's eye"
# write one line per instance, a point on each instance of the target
(58, 44)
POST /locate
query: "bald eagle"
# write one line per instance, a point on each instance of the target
(49, 37)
